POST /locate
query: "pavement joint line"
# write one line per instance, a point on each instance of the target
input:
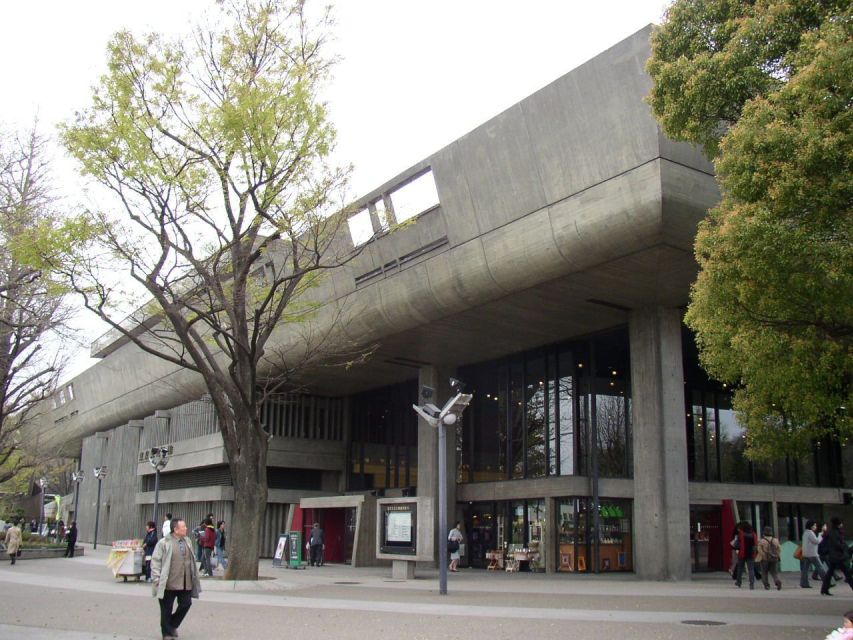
(449, 609)
(44, 633)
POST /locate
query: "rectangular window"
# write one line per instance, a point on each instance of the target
(565, 390)
(415, 197)
(69, 390)
(360, 227)
(534, 403)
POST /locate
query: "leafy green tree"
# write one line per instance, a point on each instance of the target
(32, 309)
(766, 88)
(216, 150)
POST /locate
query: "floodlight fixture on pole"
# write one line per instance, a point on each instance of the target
(77, 477)
(158, 457)
(100, 474)
(442, 418)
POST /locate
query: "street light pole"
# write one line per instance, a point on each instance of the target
(442, 508)
(42, 484)
(77, 477)
(442, 418)
(100, 474)
(158, 457)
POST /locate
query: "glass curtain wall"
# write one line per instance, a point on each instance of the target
(383, 449)
(716, 440)
(532, 413)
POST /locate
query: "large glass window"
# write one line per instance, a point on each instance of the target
(545, 412)
(580, 550)
(383, 449)
(716, 440)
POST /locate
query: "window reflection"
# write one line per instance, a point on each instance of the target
(531, 415)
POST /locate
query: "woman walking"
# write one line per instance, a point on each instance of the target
(810, 559)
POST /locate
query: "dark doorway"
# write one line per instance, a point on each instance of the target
(706, 537)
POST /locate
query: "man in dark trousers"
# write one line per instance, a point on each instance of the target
(175, 577)
(71, 539)
(316, 543)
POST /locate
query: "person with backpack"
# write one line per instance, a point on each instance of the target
(768, 555)
(454, 540)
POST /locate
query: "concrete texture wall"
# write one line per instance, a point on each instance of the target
(555, 187)
(661, 498)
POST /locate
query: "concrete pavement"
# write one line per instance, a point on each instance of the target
(79, 599)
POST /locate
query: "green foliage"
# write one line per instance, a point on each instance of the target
(773, 304)
(215, 148)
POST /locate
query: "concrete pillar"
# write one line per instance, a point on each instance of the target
(550, 552)
(661, 499)
(437, 379)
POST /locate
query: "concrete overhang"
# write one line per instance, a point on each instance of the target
(556, 219)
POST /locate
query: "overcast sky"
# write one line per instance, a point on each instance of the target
(414, 75)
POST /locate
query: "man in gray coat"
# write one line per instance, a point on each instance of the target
(175, 577)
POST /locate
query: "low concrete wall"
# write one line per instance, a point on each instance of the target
(36, 554)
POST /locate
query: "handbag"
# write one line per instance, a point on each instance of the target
(453, 546)
(798, 553)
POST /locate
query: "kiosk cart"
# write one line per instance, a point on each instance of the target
(125, 559)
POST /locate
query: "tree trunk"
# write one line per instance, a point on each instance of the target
(249, 477)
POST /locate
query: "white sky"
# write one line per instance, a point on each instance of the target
(414, 75)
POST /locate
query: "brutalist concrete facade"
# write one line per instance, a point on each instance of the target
(567, 214)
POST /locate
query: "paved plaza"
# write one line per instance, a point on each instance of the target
(78, 599)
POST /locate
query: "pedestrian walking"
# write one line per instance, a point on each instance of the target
(207, 542)
(810, 560)
(746, 544)
(316, 544)
(13, 541)
(174, 578)
(454, 541)
(838, 556)
(148, 545)
(71, 539)
(167, 524)
(220, 544)
(768, 555)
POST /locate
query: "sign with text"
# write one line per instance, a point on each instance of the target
(400, 528)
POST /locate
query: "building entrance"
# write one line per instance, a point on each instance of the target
(706, 538)
(338, 525)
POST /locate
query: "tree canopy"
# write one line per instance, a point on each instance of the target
(216, 149)
(766, 87)
(32, 309)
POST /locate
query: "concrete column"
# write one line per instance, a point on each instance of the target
(661, 499)
(438, 379)
(550, 551)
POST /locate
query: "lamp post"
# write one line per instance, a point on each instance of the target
(100, 474)
(42, 484)
(159, 458)
(77, 477)
(442, 418)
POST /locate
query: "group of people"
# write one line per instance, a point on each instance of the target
(826, 548)
(825, 554)
(14, 538)
(210, 542)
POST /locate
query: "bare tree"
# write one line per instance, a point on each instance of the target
(216, 151)
(31, 302)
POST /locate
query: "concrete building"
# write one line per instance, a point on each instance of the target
(548, 268)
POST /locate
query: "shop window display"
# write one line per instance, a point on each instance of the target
(578, 548)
